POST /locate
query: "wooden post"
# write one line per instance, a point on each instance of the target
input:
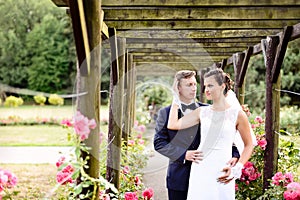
(269, 47)
(241, 79)
(133, 96)
(201, 89)
(115, 110)
(128, 97)
(223, 64)
(237, 64)
(89, 104)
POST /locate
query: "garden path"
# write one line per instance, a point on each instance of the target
(156, 169)
(32, 155)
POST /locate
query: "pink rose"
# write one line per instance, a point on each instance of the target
(259, 119)
(68, 169)
(262, 144)
(139, 136)
(7, 179)
(137, 180)
(142, 128)
(92, 124)
(288, 178)
(66, 122)
(277, 178)
(60, 161)
(126, 170)
(131, 142)
(141, 141)
(292, 192)
(131, 196)
(64, 178)
(148, 193)
(81, 125)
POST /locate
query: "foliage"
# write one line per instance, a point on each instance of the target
(13, 101)
(282, 186)
(132, 162)
(54, 99)
(16, 120)
(72, 173)
(288, 159)
(49, 69)
(290, 119)
(36, 34)
(290, 73)
(151, 96)
(40, 99)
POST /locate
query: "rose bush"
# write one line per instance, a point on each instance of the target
(133, 160)
(250, 185)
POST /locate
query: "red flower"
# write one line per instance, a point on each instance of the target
(60, 161)
(262, 144)
(148, 193)
(249, 173)
(292, 192)
(126, 170)
(131, 196)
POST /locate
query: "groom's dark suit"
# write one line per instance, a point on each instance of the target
(174, 144)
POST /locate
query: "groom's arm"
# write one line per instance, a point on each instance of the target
(162, 142)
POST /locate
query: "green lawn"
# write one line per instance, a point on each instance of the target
(26, 112)
(39, 135)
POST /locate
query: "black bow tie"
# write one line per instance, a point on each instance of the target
(191, 106)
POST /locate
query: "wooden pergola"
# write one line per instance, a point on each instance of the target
(159, 37)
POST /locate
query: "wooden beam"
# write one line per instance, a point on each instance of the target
(281, 49)
(61, 3)
(184, 54)
(258, 49)
(201, 3)
(175, 34)
(244, 66)
(201, 24)
(176, 58)
(198, 41)
(80, 36)
(238, 59)
(200, 13)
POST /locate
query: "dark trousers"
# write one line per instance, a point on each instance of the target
(177, 195)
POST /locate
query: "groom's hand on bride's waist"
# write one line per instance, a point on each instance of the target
(194, 155)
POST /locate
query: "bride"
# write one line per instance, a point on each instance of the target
(220, 122)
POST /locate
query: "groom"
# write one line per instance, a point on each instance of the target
(181, 146)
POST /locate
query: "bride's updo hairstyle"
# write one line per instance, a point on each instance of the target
(221, 77)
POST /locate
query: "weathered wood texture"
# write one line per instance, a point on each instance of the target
(221, 27)
(271, 154)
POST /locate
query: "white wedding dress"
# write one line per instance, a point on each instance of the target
(218, 130)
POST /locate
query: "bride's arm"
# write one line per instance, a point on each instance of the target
(186, 121)
(243, 127)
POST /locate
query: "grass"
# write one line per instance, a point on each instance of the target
(41, 135)
(26, 112)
